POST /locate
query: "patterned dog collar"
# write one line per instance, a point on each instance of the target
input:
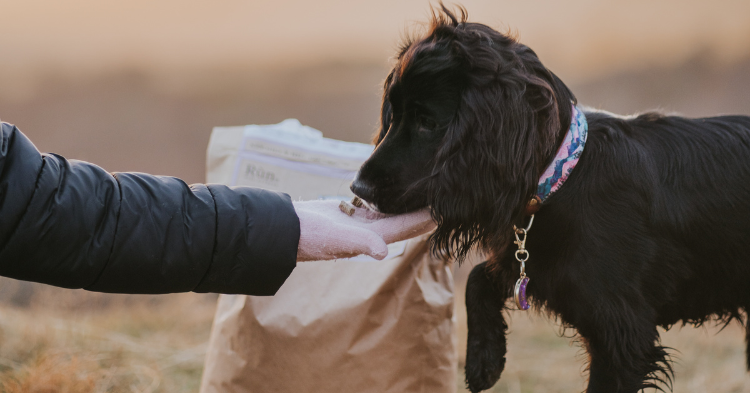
(565, 160)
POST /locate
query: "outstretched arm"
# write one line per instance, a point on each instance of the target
(74, 225)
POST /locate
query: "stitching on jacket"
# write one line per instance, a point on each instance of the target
(114, 236)
(33, 194)
(216, 238)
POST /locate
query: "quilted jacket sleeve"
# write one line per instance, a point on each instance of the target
(74, 225)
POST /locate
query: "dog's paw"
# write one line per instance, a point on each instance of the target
(485, 362)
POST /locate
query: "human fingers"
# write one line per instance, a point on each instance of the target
(403, 226)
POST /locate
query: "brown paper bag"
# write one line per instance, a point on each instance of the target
(341, 327)
(336, 326)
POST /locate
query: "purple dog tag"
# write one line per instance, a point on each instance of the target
(520, 293)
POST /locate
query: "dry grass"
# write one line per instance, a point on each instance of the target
(51, 373)
(65, 341)
(132, 344)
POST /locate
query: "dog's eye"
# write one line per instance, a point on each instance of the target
(426, 124)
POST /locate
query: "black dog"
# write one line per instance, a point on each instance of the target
(652, 228)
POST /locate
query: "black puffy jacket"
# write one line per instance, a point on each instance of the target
(74, 225)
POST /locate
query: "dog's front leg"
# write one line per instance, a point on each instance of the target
(625, 356)
(485, 353)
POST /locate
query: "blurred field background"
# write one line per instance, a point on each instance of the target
(138, 85)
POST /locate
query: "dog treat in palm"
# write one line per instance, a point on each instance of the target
(346, 207)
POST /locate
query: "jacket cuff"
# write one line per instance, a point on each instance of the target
(255, 250)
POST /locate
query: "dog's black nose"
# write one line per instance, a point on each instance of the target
(363, 189)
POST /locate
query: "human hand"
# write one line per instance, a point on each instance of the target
(328, 233)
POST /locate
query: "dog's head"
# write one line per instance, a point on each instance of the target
(470, 118)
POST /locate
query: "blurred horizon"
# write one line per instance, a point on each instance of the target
(137, 86)
(579, 39)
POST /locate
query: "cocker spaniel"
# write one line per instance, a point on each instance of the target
(638, 222)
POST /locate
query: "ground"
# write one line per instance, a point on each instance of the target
(56, 340)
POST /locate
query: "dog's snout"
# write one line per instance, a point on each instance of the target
(364, 190)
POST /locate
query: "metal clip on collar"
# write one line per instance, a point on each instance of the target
(522, 255)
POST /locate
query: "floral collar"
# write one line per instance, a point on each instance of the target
(551, 180)
(566, 158)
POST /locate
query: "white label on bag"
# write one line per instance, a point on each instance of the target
(296, 159)
(292, 141)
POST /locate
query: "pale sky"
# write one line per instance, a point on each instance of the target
(577, 38)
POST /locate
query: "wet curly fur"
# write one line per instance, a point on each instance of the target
(651, 229)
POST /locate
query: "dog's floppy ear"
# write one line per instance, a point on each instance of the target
(509, 123)
(551, 101)
(386, 113)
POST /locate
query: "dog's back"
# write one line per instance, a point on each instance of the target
(688, 181)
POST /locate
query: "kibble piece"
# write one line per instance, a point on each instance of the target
(357, 202)
(346, 207)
